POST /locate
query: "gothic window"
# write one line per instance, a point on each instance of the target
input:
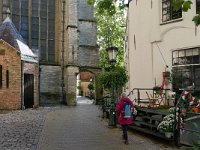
(35, 25)
(35, 20)
(35, 8)
(51, 50)
(5, 7)
(42, 49)
(24, 20)
(15, 13)
(197, 6)
(168, 13)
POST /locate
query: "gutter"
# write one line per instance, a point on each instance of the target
(63, 100)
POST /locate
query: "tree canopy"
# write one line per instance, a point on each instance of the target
(107, 6)
(111, 23)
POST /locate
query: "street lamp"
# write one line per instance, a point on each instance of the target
(112, 53)
(112, 58)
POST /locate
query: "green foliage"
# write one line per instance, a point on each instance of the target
(107, 6)
(91, 86)
(110, 28)
(177, 4)
(196, 20)
(90, 2)
(111, 21)
(185, 5)
(79, 87)
(116, 76)
(110, 33)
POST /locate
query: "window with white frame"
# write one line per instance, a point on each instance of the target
(168, 13)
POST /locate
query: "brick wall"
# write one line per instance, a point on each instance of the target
(10, 98)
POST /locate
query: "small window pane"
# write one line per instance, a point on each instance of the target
(196, 51)
(35, 43)
(7, 79)
(175, 54)
(51, 35)
(43, 53)
(24, 19)
(35, 34)
(182, 53)
(24, 26)
(24, 33)
(43, 35)
(189, 52)
(6, 3)
(34, 27)
(51, 57)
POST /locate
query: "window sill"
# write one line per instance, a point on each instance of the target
(171, 21)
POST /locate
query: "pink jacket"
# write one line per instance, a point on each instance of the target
(119, 109)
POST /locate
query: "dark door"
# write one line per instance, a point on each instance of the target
(28, 90)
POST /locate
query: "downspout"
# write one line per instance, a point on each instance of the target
(22, 86)
(63, 101)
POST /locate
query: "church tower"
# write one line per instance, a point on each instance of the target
(63, 33)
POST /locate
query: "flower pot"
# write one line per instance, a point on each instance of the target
(166, 74)
(168, 134)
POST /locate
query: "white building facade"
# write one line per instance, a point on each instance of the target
(159, 39)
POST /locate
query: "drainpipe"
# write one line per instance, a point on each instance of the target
(22, 86)
(62, 54)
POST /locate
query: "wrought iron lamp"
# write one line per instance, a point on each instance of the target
(112, 53)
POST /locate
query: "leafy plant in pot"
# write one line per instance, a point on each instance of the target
(166, 126)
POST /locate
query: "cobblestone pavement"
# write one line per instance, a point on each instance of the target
(67, 128)
(20, 130)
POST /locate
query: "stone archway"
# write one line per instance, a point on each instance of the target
(86, 84)
(72, 84)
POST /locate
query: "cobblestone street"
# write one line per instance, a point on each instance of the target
(62, 128)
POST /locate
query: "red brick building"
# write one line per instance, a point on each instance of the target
(18, 70)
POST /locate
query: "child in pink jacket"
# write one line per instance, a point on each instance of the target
(124, 122)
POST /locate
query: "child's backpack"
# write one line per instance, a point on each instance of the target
(127, 110)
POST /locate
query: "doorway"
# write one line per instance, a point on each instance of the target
(28, 90)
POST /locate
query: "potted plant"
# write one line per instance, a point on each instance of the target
(166, 126)
(166, 74)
